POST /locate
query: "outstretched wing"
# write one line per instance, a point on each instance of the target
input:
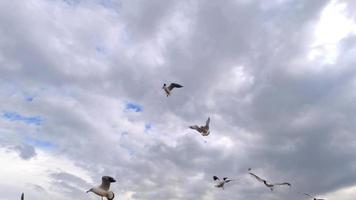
(258, 178)
(195, 127)
(174, 85)
(216, 178)
(308, 195)
(285, 183)
(207, 122)
(22, 196)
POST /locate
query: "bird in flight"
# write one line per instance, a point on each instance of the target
(22, 196)
(221, 183)
(170, 88)
(269, 185)
(203, 130)
(314, 198)
(103, 189)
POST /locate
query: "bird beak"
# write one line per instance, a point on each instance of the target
(88, 191)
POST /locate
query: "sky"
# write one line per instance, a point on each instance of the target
(81, 97)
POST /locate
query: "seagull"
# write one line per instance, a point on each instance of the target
(314, 198)
(103, 189)
(170, 88)
(221, 183)
(269, 185)
(22, 196)
(204, 130)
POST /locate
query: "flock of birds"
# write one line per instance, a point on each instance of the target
(103, 190)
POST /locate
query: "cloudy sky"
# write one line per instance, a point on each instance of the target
(81, 97)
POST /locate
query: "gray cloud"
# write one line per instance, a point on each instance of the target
(25, 151)
(243, 63)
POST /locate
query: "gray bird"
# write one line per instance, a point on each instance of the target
(269, 185)
(170, 88)
(203, 130)
(103, 189)
(22, 196)
(314, 198)
(221, 183)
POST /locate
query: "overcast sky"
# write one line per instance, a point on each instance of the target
(81, 97)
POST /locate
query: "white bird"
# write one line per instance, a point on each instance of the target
(103, 189)
(269, 185)
(221, 183)
(314, 198)
(170, 88)
(203, 130)
(22, 196)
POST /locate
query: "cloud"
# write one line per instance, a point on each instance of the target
(25, 151)
(96, 68)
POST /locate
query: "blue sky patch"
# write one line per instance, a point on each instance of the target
(40, 143)
(29, 98)
(13, 116)
(134, 107)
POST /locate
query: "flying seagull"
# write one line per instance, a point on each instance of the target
(103, 189)
(221, 183)
(269, 185)
(22, 196)
(314, 198)
(170, 88)
(203, 130)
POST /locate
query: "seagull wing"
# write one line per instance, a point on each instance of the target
(308, 195)
(216, 178)
(285, 183)
(229, 180)
(174, 85)
(258, 178)
(195, 127)
(207, 123)
(22, 196)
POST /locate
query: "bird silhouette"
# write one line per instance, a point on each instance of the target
(203, 130)
(269, 185)
(170, 88)
(103, 189)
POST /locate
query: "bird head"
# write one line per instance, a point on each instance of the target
(109, 179)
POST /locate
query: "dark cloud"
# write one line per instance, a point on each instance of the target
(25, 151)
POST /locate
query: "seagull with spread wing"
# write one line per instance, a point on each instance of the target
(314, 198)
(203, 130)
(221, 183)
(170, 88)
(103, 189)
(269, 185)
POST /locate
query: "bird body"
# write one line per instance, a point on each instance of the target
(203, 130)
(103, 189)
(221, 183)
(269, 185)
(170, 88)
